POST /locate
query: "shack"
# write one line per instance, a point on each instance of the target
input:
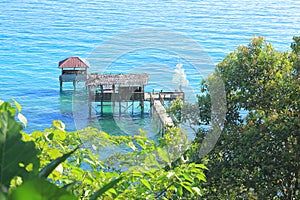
(73, 69)
(116, 88)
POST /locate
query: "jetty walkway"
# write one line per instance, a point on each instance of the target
(157, 102)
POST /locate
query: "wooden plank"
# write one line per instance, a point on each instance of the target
(162, 114)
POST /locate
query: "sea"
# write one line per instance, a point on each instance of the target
(145, 36)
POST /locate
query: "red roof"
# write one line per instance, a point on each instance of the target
(73, 62)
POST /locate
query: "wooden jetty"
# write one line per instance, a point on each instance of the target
(117, 88)
(162, 114)
(73, 69)
(158, 101)
(124, 88)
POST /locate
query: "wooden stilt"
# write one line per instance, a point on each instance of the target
(142, 99)
(113, 98)
(90, 109)
(90, 102)
(102, 98)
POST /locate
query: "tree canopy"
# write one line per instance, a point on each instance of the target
(257, 155)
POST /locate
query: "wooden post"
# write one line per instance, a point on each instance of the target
(60, 83)
(113, 98)
(142, 95)
(74, 84)
(90, 109)
(102, 96)
(89, 101)
(61, 80)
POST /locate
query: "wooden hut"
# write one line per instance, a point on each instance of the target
(117, 88)
(73, 69)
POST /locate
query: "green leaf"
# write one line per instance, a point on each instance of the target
(22, 119)
(54, 153)
(12, 149)
(201, 177)
(132, 146)
(29, 167)
(105, 188)
(40, 189)
(146, 183)
(59, 125)
(151, 161)
(44, 173)
(163, 154)
(19, 107)
(197, 190)
(187, 177)
(69, 186)
(201, 166)
(2, 196)
(113, 191)
(187, 187)
(179, 190)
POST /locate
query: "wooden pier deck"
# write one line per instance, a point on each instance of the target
(165, 119)
(157, 102)
(128, 88)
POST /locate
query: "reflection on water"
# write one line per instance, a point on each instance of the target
(128, 122)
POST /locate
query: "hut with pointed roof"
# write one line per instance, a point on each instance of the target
(73, 69)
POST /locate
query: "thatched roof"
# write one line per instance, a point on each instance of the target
(73, 62)
(117, 79)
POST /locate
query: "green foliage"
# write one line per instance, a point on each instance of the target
(147, 169)
(175, 109)
(204, 103)
(39, 189)
(193, 115)
(44, 173)
(19, 162)
(142, 167)
(105, 188)
(17, 158)
(296, 53)
(56, 142)
(257, 156)
(152, 172)
(296, 45)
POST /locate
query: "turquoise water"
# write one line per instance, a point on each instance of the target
(36, 34)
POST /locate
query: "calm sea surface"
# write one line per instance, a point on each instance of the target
(36, 34)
